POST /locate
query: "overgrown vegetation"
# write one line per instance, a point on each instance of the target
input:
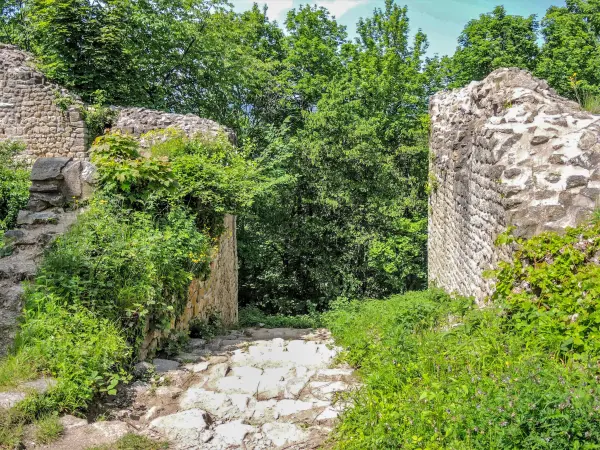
(551, 289)
(252, 316)
(439, 373)
(520, 373)
(14, 184)
(331, 176)
(134, 442)
(125, 267)
(337, 124)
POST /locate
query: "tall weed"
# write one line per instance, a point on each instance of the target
(439, 374)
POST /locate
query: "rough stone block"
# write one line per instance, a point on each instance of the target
(544, 146)
(45, 169)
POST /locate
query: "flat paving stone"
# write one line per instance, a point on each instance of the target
(261, 389)
(164, 365)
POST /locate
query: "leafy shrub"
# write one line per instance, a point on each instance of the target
(126, 175)
(439, 373)
(551, 288)
(127, 266)
(207, 175)
(14, 184)
(206, 329)
(83, 351)
(212, 176)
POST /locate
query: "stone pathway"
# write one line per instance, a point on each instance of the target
(252, 389)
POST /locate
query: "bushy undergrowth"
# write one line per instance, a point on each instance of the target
(14, 184)
(123, 269)
(439, 373)
(551, 289)
(128, 266)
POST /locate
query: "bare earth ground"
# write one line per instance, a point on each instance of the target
(251, 389)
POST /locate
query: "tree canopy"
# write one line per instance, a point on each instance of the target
(337, 126)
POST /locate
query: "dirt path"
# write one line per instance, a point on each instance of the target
(252, 389)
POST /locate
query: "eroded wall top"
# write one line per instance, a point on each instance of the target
(137, 121)
(28, 111)
(506, 151)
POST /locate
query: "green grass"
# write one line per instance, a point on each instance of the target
(134, 442)
(16, 369)
(47, 429)
(439, 373)
(15, 424)
(591, 103)
(251, 316)
(12, 428)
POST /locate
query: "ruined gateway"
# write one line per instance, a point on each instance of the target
(57, 141)
(506, 151)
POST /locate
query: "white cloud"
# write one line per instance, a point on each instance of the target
(338, 8)
(278, 8)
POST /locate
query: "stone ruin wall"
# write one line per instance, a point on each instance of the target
(506, 151)
(216, 295)
(138, 121)
(55, 182)
(219, 293)
(28, 111)
(56, 141)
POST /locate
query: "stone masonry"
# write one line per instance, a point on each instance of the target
(28, 111)
(506, 151)
(56, 184)
(138, 121)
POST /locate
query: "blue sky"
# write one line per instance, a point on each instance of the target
(441, 20)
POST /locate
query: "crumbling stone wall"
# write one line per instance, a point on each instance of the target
(56, 184)
(218, 294)
(56, 141)
(28, 111)
(138, 121)
(506, 151)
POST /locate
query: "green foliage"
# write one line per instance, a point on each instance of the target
(212, 176)
(208, 176)
(206, 328)
(439, 373)
(551, 287)
(346, 211)
(251, 316)
(15, 369)
(127, 265)
(493, 41)
(83, 351)
(128, 176)
(571, 45)
(14, 183)
(586, 98)
(97, 116)
(12, 424)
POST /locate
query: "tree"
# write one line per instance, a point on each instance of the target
(348, 214)
(82, 44)
(495, 40)
(12, 23)
(312, 57)
(572, 45)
